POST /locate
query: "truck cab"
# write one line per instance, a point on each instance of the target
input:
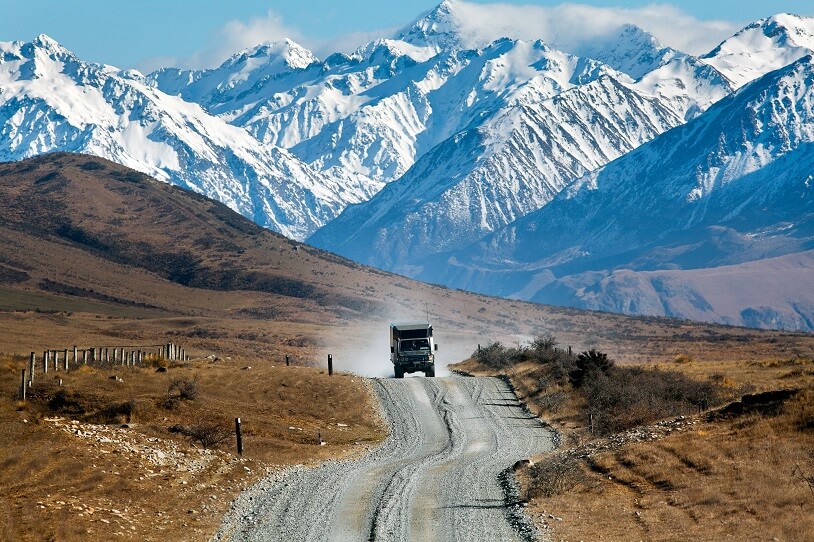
(412, 348)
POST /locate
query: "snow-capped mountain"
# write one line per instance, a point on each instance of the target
(763, 46)
(664, 228)
(52, 101)
(487, 177)
(459, 152)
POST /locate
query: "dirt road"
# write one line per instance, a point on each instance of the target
(436, 478)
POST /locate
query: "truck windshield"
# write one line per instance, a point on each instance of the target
(415, 345)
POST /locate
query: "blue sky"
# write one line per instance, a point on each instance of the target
(150, 33)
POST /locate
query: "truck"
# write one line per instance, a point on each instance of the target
(412, 348)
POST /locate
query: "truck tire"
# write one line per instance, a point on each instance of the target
(430, 372)
(399, 372)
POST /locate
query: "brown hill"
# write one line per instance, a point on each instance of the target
(93, 252)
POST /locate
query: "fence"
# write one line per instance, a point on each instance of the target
(126, 356)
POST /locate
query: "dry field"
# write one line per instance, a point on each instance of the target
(748, 476)
(95, 459)
(94, 254)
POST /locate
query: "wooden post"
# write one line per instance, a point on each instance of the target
(56, 360)
(569, 349)
(75, 356)
(84, 357)
(22, 387)
(330, 364)
(45, 362)
(286, 360)
(31, 363)
(239, 437)
(65, 359)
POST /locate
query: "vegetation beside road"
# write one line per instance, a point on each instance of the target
(117, 452)
(746, 473)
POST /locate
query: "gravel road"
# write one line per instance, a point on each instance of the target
(436, 478)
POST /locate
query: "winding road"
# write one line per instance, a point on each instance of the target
(435, 478)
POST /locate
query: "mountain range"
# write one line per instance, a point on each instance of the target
(615, 174)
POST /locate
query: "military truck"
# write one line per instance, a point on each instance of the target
(412, 348)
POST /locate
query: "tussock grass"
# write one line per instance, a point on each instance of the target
(61, 486)
(748, 475)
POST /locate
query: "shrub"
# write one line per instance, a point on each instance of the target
(554, 475)
(183, 389)
(208, 433)
(620, 398)
(588, 365)
(493, 355)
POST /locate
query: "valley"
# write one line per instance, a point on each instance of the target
(115, 276)
(611, 237)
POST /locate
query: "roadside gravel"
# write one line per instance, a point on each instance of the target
(437, 477)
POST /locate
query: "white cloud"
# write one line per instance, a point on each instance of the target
(564, 26)
(231, 38)
(567, 25)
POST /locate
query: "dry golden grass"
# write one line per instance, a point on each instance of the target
(114, 276)
(745, 479)
(60, 486)
(748, 478)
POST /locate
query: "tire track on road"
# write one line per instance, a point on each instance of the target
(435, 478)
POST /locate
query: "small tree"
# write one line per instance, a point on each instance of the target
(590, 362)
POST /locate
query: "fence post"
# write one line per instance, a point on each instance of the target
(31, 363)
(569, 349)
(75, 356)
(286, 360)
(45, 362)
(84, 357)
(56, 360)
(330, 364)
(65, 353)
(22, 386)
(239, 437)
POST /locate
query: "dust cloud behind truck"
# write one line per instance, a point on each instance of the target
(412, 348)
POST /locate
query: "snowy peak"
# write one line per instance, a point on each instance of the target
(52, 101)
(243, 79)
(286, 54)
(763, 46)
(441, 28)
(631, 50)
(687, 84)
